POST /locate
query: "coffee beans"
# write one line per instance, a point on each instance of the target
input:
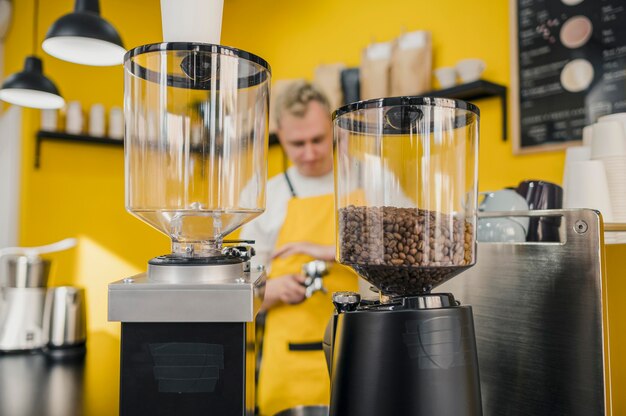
(404, 250)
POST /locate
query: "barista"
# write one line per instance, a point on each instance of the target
(298, 226)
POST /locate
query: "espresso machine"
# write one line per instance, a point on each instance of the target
(406, 189)
(196, 139)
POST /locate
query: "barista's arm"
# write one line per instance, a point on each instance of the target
(317, 251)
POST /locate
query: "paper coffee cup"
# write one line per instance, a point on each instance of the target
(608, 140)
(192, 20)
(588, 188)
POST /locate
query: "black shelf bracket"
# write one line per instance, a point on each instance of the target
(475, 91)
(56, 136)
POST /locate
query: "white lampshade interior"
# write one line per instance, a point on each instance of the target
(85, 51)
(31, 98)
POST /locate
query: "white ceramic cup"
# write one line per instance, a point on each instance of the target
(49, 120)
(505, 200)
(470, 69)
(97, 121)
(116, 123)
(74, 118)
(608, 139)
(446, 76)
(588, 187)
(500, 230)
(192, 20)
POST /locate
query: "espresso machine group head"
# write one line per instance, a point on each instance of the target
(406, 189)
(195, 146)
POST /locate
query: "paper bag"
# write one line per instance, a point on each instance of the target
(411, 64)
(375, 70)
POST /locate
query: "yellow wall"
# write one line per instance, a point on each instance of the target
(79, 189)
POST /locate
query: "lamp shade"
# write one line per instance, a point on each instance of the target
(30, 88)
(84, 37)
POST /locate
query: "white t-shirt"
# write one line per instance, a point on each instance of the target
(265, 228)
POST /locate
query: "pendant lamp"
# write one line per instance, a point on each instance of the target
(83, 37)
(30, 87)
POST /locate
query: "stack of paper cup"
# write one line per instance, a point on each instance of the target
(587, 135)
(608, 145)
(588, 187)
(573, 154)
(192, 20)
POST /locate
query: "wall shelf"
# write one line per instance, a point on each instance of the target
(475, 91)
(56, 136)
(470, 91)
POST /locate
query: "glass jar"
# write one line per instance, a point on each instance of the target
(406, 190)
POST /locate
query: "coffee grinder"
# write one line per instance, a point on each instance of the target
(406, 189)
(196, 139)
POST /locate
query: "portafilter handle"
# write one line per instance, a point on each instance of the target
(346, 301)
(313, 272)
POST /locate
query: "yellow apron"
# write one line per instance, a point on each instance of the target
(292, 374)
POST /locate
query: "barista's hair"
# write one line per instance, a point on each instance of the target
(296, 98)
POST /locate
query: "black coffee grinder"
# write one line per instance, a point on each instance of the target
(406, 188)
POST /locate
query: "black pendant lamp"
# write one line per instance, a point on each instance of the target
(30, 87)
(83, 37)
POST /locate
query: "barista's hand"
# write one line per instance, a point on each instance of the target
(317, 251)
(287, 289)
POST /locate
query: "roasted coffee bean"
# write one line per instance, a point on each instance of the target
(404, 250)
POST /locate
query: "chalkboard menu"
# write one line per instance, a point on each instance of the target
(569, 68)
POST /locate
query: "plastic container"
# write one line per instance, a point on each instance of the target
(195, 145)
(406, 190)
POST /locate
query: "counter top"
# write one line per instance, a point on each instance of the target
(34, 385)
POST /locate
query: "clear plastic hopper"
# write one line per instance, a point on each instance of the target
(196, 141)
(406, 188)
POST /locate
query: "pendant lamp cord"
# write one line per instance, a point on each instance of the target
(35, 25)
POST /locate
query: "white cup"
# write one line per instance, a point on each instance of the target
(446, 76)
(573, 154)
(74, 118)
(192, 20)
(500, 230)
(49, 120)
(608, 140)
(587, 135)
(116, 123)
(615, 167)
(619, 117)
(588, 187)
(505, 200)
(470, 69)
(96, 120)
(577, 154)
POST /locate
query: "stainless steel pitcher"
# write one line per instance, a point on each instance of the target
(64, 317)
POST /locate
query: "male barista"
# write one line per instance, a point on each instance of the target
(298, 226)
